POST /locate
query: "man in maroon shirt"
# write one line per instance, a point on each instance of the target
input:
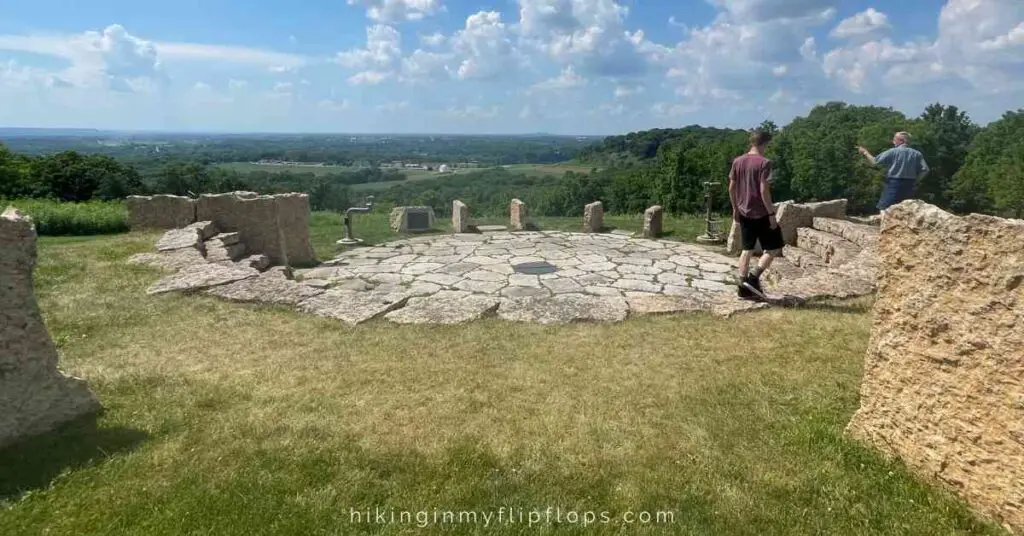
(752, 208)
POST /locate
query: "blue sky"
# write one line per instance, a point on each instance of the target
(509, 66)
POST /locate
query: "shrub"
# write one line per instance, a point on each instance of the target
(56, 218)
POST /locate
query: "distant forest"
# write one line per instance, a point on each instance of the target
(973, 168)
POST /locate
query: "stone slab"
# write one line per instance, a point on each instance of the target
(564, 309)
(201, 276)
(444, 307)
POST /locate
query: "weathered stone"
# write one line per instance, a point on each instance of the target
(169, 260)
(259, 262)
(482, 287)
(216, 251)
(562, 286)
(207, 229)
(943, 385)
(419, 268)
(180, 239)
(201, 276)
(524, 280)
(491, 228)
(524, 292)
(637, 285)
(485, 275)
(717, 286)
(35, 396)
(593, 217)
(420, 288)
(792, 216)
(411, 219)
(160, 211)
(661, 304)
(444, 307)
(601, 290)
(517, 215)
(276, 226)
(460, 217)
(653, 221)
(353, 307)
(269, 289)
(563, 309)
(316, 283)
(227, 238)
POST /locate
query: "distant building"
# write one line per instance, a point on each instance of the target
(444, 169)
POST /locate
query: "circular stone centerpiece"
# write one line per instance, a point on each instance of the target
(541, 276)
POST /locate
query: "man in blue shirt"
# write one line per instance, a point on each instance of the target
(905, 166)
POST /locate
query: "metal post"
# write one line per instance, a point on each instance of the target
(711, 234)
(348, 239)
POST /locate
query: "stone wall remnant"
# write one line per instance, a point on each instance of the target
(653, 221)
(791, 216)
(593, 217)
(460, 217)
(273, 225)
(517, 215)
(943, 385)
(35, 396)
(160, 211)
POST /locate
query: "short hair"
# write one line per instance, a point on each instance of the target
(904, 135)
(759, 137)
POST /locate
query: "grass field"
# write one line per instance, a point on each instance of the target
(227, 419)
(245, 167)
(59, 218)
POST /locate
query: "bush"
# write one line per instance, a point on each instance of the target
(56, 218)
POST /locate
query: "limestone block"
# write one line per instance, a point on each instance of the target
(517, 215)
(160, 211)
(653, 221)
(276, 226)
(593, 217)
(943, 385)
(460, 217)
(35, 396)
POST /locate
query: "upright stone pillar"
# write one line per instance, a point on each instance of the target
(35, 397)
(517, 215)
(460, 217)
(593, 217)
(653, 221)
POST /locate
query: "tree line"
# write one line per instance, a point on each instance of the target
(973, 169)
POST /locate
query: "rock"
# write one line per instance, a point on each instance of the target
(207, 229)
(175, 259)
(593, 217)
(35, 397)
(517, 215)
(637, 285)
(282, 272)
(653, 221)
(274, 225)
(460, 217)
(353, 307)
(480, 287)
(227, 238)
(269, 289)
(411, 219)
(444, 307)
(943, 384)
(445, 280)
(258, 262)
(563, 309)
(316, 283)
(524, 292)
(201, 276)
(180, 239)
(792, 216)
(491, 228)
(562, 286)
(160, 211)
(216, 251)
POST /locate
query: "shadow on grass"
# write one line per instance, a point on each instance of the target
(35, 462)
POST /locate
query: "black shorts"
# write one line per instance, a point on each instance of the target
(760, 230)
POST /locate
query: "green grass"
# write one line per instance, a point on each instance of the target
(229, 419)
(56, 218)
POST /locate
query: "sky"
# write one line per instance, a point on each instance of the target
(502, 67)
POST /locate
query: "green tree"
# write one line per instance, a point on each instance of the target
(991, 178)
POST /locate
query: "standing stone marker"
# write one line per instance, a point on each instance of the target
(943, 384)
(593, 217)
(274, 225)
(517, 215)
(653, 221)
(460, 217)
(411, 219)
(35, 396)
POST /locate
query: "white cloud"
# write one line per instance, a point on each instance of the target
(485, 47)
(369, 78)
(863, 24)
(613, 109)
(567, 79)
(195, 52)
(671, 109)
(771, 10)
(383, 49)
(622, 92)
(392, 11)
(435, 39)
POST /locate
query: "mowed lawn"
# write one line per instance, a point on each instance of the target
(226, 419)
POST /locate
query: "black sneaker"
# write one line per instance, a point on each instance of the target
(753, 286)
(742, 291)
